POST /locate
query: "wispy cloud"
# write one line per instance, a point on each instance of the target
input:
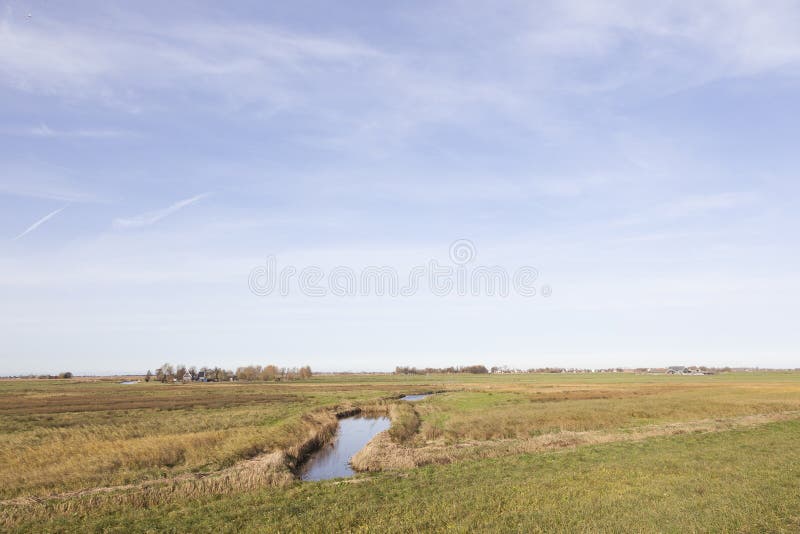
(690, 206)
(152, 217)
(43, 130)
(40, 222)
(34, 179)
(81, 62)
(702, 204)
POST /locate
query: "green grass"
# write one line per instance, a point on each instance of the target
(58, 436)
(524, 409)
(735, 481)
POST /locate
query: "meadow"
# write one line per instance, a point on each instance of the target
(499, 452)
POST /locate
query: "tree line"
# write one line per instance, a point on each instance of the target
(267, 373)
(65, 374)
(273, 372)
(472, 369)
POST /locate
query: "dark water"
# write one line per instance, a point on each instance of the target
(333, 461)
(413, 398)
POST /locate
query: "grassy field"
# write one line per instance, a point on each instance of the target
(67, 435)
(511, 452)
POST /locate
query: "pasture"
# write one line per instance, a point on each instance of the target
(510, 452)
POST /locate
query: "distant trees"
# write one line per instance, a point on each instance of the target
(267, 373)
(251, 372)
(475, 369)
(165, 373)
(65, 374)
(271, 373)
(148, 376)
(219, 375)
(472, 369)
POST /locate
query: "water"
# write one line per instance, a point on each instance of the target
(129, 382)
(412, 398)
(333, 460)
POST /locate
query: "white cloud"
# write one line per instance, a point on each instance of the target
(701, 204)
(689, 206)
(84, 62)
(146, 219)
(40, 222)
(746, 36)
(43, 130)
(680, 44)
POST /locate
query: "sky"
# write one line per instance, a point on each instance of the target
(641, 157)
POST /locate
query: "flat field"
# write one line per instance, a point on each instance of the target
(527, 452)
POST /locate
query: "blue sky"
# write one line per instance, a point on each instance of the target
(643, 158)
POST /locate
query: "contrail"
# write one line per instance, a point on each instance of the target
(146, 219)
(40, 222)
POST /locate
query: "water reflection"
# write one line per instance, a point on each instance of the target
(412, 398)
(333, 460)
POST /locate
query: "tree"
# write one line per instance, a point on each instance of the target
(305, 372)
(167, 372)
(65, 374)
(148, 376)
(475, 369)
(289, 373)
(406, 370)
(251, 372)
(269, 372)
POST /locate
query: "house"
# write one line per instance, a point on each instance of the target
(187, 377)
(201, 376)
(677, 370)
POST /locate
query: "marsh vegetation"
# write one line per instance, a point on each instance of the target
(77, 450)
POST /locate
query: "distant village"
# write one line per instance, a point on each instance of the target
(268, 373)
(168, 373)
(672, 370)
(696, 370)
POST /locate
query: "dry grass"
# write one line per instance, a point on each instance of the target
(276, 469)
(109, 439)
(405, 422)
(743, 480)
(87, 444)
(384, 454)
(501, 412)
